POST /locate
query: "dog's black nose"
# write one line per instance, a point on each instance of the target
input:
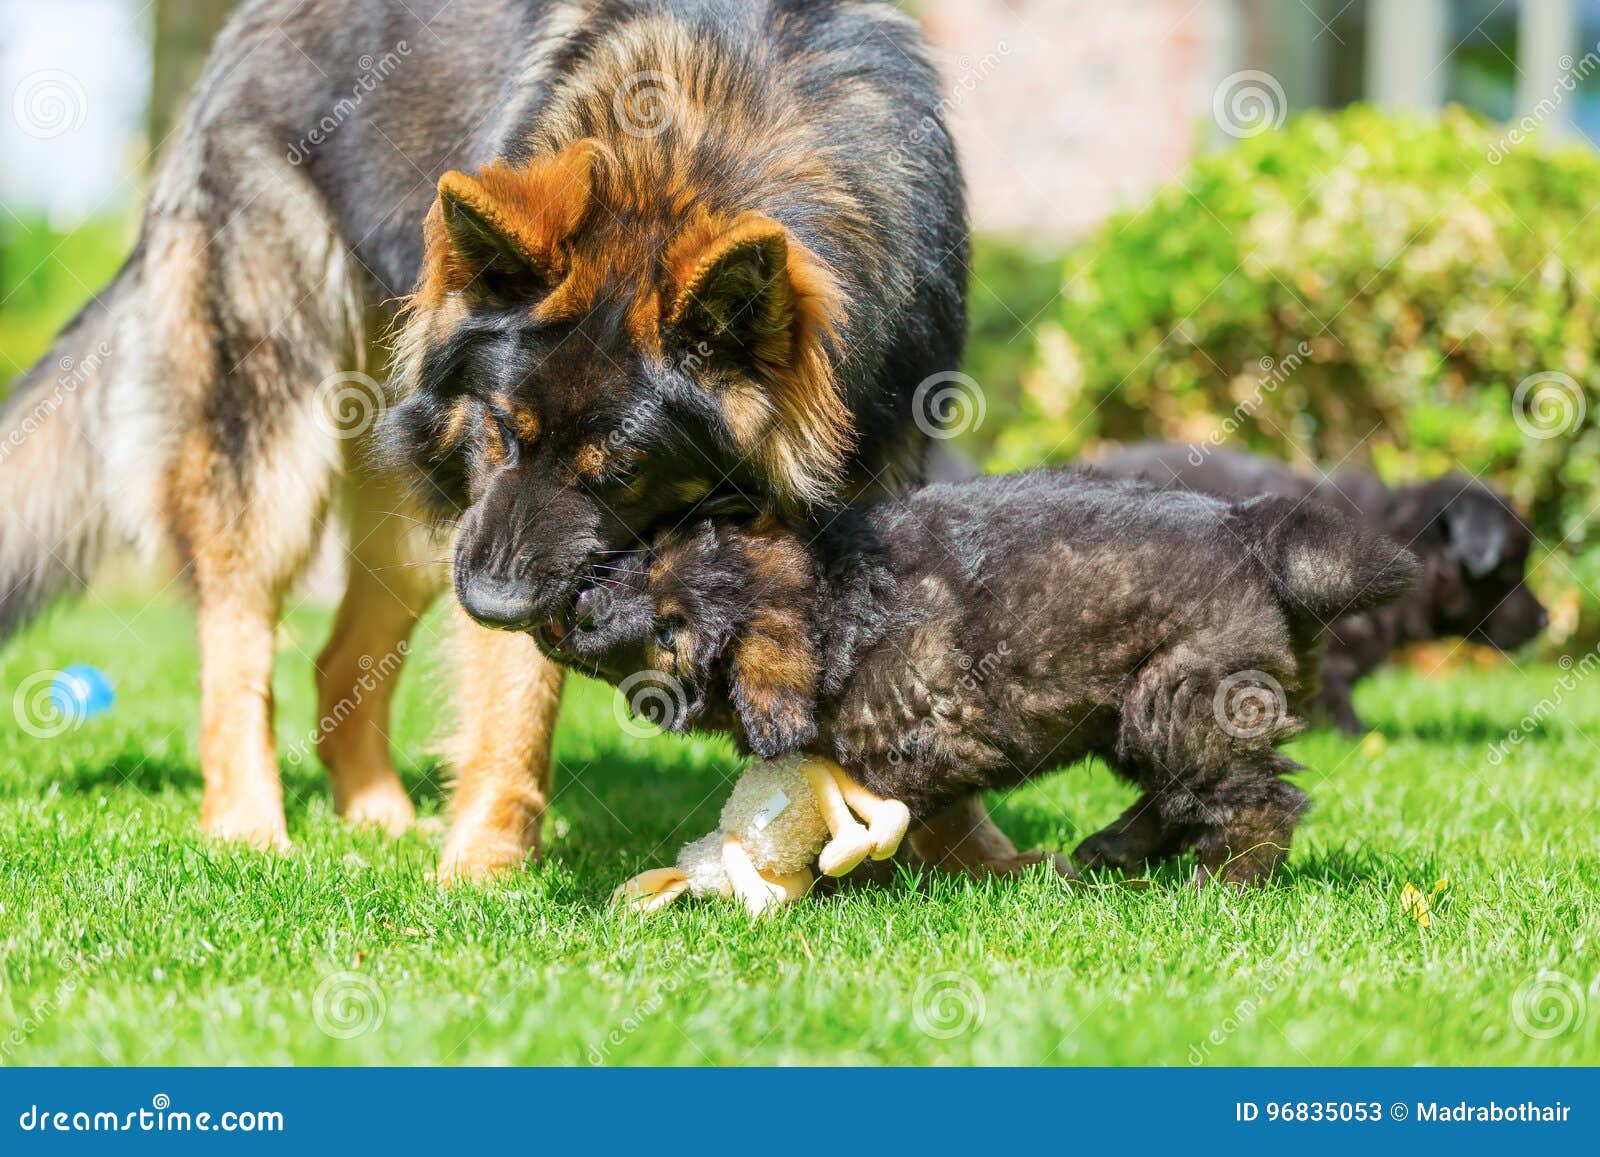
(504, 604)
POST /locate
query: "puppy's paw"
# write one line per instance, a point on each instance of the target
(1022, 861)
(1108, 850)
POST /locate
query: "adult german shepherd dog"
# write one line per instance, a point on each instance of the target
(665, 254)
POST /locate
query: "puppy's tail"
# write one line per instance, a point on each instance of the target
(1322, 563)
(54, 509)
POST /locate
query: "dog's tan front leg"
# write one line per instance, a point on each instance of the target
(509, 695)
(243, 797)
(393, 573)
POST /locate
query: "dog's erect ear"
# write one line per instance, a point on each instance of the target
(479, 239)
(511, 222)
(731, 287)
(774, 689)
(1477, 533)
(749, 293)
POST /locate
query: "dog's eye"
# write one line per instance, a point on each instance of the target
(667, 636)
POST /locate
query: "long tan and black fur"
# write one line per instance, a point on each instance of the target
(651, 254)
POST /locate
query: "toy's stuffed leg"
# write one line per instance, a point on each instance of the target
(851, 843)
(759, 894)
(887, 819)
(651, 891)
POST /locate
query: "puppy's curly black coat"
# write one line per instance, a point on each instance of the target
(970, 636)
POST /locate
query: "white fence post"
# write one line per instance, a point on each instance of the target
(1547, 37)
(1406, 48)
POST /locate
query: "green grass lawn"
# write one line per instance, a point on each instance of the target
(127, 939)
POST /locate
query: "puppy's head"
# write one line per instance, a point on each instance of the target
(717, 623)
(1474, 551)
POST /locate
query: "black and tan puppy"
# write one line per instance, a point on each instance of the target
(1472, 546)
(973, 635)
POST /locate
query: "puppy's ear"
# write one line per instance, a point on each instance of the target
(1476, 531)
(774, 688)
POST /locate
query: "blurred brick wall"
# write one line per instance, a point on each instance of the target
(1065, 110)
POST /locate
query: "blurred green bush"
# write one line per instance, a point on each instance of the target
(1411, 293)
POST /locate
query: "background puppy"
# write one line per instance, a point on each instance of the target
(973, 635)
(1472, 545)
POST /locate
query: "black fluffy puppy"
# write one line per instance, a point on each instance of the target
(972, 635)
(1472, 545)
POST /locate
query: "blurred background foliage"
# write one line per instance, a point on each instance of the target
(46, 274)
(1357, 288)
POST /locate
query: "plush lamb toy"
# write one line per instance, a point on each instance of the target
(783, 816)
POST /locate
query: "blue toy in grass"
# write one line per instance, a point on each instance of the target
(81, 692)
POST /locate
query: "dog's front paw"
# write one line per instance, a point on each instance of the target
(1059, 863)
(478, 864)
(382, 805)
(248, 828)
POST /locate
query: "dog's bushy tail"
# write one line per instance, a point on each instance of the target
(1322, 563)
(54, 517)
